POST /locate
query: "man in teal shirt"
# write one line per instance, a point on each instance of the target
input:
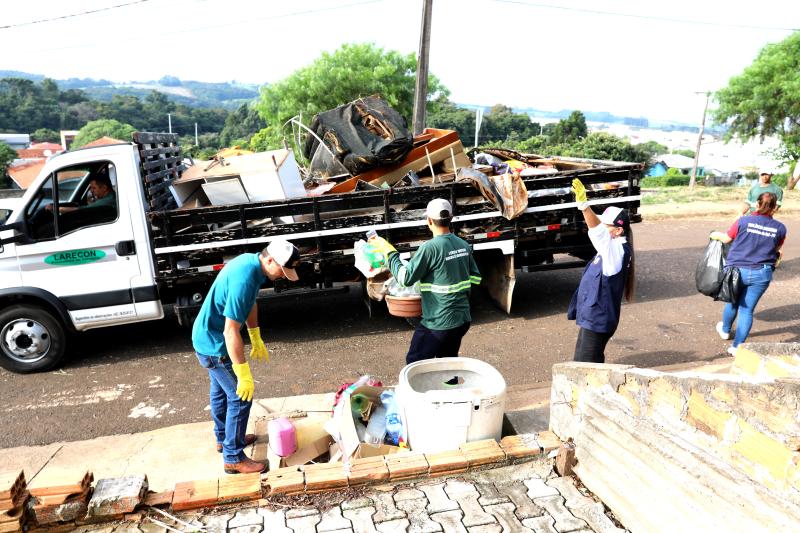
(764, 185)
(218, 344)
(446, 271)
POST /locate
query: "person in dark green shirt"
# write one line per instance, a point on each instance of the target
(446, 271)
(764, 185)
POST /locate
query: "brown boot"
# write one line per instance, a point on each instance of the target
(245, 466)
(248, 440)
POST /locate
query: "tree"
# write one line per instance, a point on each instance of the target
(337, 78)
(684, 152)
(601, 145)
(764, 100)
(7, 155)
(654, 148)
(570, 129)
(241, 125)
(46, 135)
(100, 128)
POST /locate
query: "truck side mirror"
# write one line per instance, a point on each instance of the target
(20, 236)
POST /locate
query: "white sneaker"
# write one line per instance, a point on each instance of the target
(722, 335)
(732, 350)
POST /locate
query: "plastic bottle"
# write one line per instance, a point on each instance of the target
(394, 426)
(375, 258)
(376, 427)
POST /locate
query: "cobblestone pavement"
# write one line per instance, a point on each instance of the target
(523, 498)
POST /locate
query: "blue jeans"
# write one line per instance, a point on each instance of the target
(230, 414)
(754, 283)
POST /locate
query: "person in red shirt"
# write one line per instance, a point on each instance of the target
(756, 251)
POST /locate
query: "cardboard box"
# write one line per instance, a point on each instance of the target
(312, 441)
(343, 427)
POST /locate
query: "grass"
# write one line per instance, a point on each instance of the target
(665, 195)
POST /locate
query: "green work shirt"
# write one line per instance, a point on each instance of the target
(757, 189)
(446, 271)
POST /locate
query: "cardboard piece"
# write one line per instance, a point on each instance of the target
(312, 441)
(342, 427)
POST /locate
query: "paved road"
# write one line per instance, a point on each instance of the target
(145, 376)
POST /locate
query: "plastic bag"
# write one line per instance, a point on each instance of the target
(368, 261)
(393, 288)
(729, 288)
(708, 274)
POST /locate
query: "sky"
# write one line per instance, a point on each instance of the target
(632, 58)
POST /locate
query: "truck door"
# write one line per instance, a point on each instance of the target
(81, 245)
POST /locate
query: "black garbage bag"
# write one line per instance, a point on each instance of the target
(362, 135)
(729, 288)
(709, 272)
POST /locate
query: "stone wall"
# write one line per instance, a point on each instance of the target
(687, 451)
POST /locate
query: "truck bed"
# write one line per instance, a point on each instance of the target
(190, 244)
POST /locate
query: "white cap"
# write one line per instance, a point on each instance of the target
(614, 216)
(439, 209)
(286, 255)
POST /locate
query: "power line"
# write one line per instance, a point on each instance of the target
(250, 20)
(62, 17)
(647, 17)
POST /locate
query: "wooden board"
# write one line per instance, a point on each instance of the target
(521, 446)
(406, 465)
(368, 470)
(53, 482)
(325, 476)
(289, 480)
(195, 494)
(483, 452)
(448, 462)
(239, 488)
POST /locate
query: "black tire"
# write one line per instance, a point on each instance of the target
(32, 339)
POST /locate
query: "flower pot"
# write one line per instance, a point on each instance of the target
(404, 306)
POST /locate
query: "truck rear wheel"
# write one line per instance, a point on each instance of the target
(31, 339)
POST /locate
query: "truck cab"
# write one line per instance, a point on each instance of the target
(72, 261)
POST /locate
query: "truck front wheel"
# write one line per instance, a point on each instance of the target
(31, 339)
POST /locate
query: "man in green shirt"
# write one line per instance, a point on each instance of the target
(446, 271)
(764, 185)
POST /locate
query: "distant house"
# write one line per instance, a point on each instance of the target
(17, 141)
(668, 161)
(39, 150)
(24, 172)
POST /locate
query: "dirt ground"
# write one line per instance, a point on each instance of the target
(141, 377)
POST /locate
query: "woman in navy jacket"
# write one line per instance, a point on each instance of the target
(595, 306)
(756, 251)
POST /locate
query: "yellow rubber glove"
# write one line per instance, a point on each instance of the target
(580, 194)
(258, 350)
(245, 387)
(379, 244)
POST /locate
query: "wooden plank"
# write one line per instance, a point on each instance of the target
(324, 476)
(239, 488)
(157, 499)
(195, 494)
(522, 446)
(448, 462)
(406, 465)
(53, 481)
(162, 163)
(289, 480)
(367, 470)
(152, 152)
(483, 452)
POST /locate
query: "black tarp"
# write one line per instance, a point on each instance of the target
(362, 135)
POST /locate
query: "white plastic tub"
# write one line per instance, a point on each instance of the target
(441, 417)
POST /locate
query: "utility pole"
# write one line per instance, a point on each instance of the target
(195, 135)
(421, 89)
(478, 121)
(169, 120)
(699, 141)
